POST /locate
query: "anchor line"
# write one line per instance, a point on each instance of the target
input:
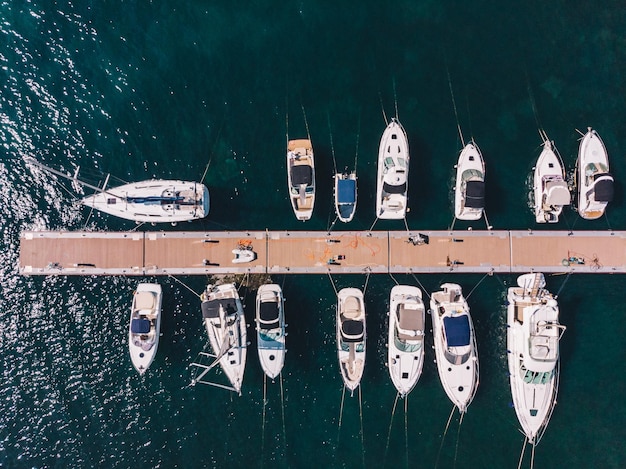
(452, 226)
(184, 285)
(358, 133)
(367, 278)
(263, 418)
(606, 217)
(282, 409)
(521, 456)
(361, 421)
(332, 225)
(479, 282)
(393, 412)
(564, 282)
(443, 438)
(343, 395)
(532, 456)
(406, 429)
(395, 98)
(420, 284)
(206, 169)
(372, 227)
(306, 124)
(332, 146)
(456, 114)
(393, 278)
(332, 282)
(380, 97)
(458, 432)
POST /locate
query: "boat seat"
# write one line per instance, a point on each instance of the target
(145, 300)
(351, 308)
(410, 324)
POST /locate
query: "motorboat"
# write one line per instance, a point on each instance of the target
(595, 183)
(533, 335)
(469, 194)
(549, 186)
(455, 345)
(351, 334)
(224, 320)
(405, 357)
(270, 329)
(393, 173)
(345, 195)
(151, 201)
(145, 325)
(301, 177)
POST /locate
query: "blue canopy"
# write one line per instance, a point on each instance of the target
(346, 191)
(457, 330)
(140, 326)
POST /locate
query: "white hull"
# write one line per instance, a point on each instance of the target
(469, 195)
(301, 177)
(154, 201)
(270, 327)
(550, 189)
(225, 324)
(455, 345)
(393, 173)
(144, 325)
(405, 357)
(345, 196)
(533, 334)
(351, 335)
(595, 184)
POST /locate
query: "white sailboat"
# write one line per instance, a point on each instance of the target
(393, 173)
(301, 177)
(595, 183)
(550, 189)
(151, 201)
(405, 356)
(270, 328)
(223, 317)
(351, 335)
(533, 334)
(469, 194)
(145, 325)
(345, 195)
(455, 345)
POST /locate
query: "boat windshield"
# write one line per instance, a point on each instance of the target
(360, 346)
(404, 346)
(389, 163)
(270, 336)
(532, 377)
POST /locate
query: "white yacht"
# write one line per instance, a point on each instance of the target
(405, 357)
(533, 334)
(345, 195)
(270, 329)
(393, 173)
(351, 334)
(595, 183)
(455, 345)
(301, 177)
(550, 189)
(223, 317)
(151, 201)
(145, 325)
(469, 194)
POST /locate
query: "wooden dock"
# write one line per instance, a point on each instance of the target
(306, 252)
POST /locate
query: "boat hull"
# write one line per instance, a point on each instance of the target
(270, 327)
(548, 178)
(154, 201)
(351, 336)
(226, 330)
(145, 311)
(470, 169)
(345, 196)
(393, 172)
(592, 176)
(534, 386)
(459, 377)
(405, 356)
(301, 177)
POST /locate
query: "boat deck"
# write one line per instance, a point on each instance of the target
(306, 252)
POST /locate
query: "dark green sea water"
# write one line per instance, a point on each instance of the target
(157, 89)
